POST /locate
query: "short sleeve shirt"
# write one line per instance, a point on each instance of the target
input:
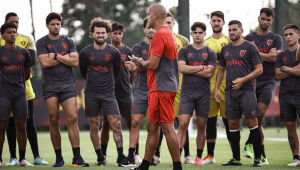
(193, 57)
(265, 43)
(290, 85)
(12, 75)
(165, 77)
(59, 73)
(239, 62)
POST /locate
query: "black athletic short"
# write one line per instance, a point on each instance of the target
(18, 105)
(63, 91)
(265, 91)
(289, 107)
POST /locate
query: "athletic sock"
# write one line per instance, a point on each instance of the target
(76, 153)
(58, 155)
(225, 122)
(99, 154)
(187, 145)
(296, 157)
(256, 140)
(249, 140)
(145, 165)
(180, 151)
(234, 139)
(263, 150)
(199, 153)
(21, 154)
(131, 152)
(157, 151)
(103, 148)
(137, 149)
(211, 148)
(120, 151)
(1, 155)
(177, 166)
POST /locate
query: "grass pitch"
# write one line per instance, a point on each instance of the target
(277, 150)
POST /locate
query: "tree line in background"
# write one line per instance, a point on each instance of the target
(77, 15)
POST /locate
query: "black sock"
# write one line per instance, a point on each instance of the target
(225, 122)
(31, 131)
(187, 145)
(249, 140)
(1, 155)
(177, 166)
(137, 149)
(199, 153)
(256, 140)
(131, 152)
(99, 154)
(58, 155)
(180, 151)
(120, 151)
(145, 165)
(262, 147)
(211, 148)
(296, 157)
(157, 151)
(11, 137)
(235, 144)
(21, 154)
(76, 153)
(103, 148)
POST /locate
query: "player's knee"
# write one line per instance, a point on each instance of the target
(291, 126)
(135, 124)
(183, 125)
(54, 121)
(72, 119)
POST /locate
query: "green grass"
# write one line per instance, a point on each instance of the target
(278, 152)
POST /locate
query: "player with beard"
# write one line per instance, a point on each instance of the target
(181, 41)
(15, 65)
(162, 81)
(269, 45)
(100, 65)
(215, 42)
(197, 63)
(122, 84)
(24, 42)
(287, 69)
(140, 96)
(57, 55)
(242, 62)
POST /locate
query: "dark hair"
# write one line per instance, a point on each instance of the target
(198, 24)
(53, 15)
(4, 27)
(145, 22)
(117, 26)
(10, 14)
(232, 22)
(99, 22)
(219, 14)
(170, 15)
(267, 11)
(291, 26)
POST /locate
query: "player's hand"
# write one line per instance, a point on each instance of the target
(237, 83)
(217, 96)
(51, 55)
(134, 59)
(273, 52)
(285, 68)
(130, 65)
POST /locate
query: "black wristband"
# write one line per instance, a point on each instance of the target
(55, 55)
(139, 63)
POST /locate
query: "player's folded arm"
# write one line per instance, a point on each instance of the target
(70, 59)
(46, 61)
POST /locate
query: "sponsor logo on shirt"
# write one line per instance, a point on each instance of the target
(197, 63)
(99, 67)
(12, 67)
(234, 62)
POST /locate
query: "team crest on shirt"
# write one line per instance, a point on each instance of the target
(145, 52)
(190, 54)
(242, 53)
(226, 54)
(92, 58)
(65, 45)
(124, 57)
(23, 43)
(284, 59)
(223, 44)
(107, 57)
(49, 46)
(204, 56)
(269, 42)
(4, 58)
(20, 57)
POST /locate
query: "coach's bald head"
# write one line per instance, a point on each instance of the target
(157, 15)
(159, 10)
